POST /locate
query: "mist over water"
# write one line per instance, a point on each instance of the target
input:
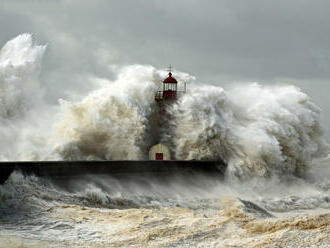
(271, 137)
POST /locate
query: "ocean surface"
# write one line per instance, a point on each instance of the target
(100, 211)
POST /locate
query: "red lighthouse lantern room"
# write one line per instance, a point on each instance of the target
(170, 87)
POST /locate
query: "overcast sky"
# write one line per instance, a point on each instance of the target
(218, 41)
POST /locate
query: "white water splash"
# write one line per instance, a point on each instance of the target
(20, 97)
(257, 130)
(20, 65)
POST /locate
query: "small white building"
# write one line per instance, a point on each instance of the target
(159, 152)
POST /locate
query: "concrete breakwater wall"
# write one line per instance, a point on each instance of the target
(122, 168)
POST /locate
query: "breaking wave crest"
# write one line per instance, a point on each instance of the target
(20, 65)
(258, 130)
(110, 122)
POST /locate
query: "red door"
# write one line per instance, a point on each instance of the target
(159, 156)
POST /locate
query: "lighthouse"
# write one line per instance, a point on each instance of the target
(169, 92)
(164, 98)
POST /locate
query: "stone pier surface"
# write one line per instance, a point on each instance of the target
(119, 168)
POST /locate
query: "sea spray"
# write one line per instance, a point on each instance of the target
(20, 65)
(114, 121)
(20, 96)
(258, 130)
(110, 122)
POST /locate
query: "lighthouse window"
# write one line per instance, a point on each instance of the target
(170, 87)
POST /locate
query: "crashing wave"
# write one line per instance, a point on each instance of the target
(20, 65)
(257, 130)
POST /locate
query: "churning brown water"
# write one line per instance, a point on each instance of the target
(183, 212)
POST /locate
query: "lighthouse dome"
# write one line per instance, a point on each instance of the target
(170, 79)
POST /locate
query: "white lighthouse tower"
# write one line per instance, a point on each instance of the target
(164, 97)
